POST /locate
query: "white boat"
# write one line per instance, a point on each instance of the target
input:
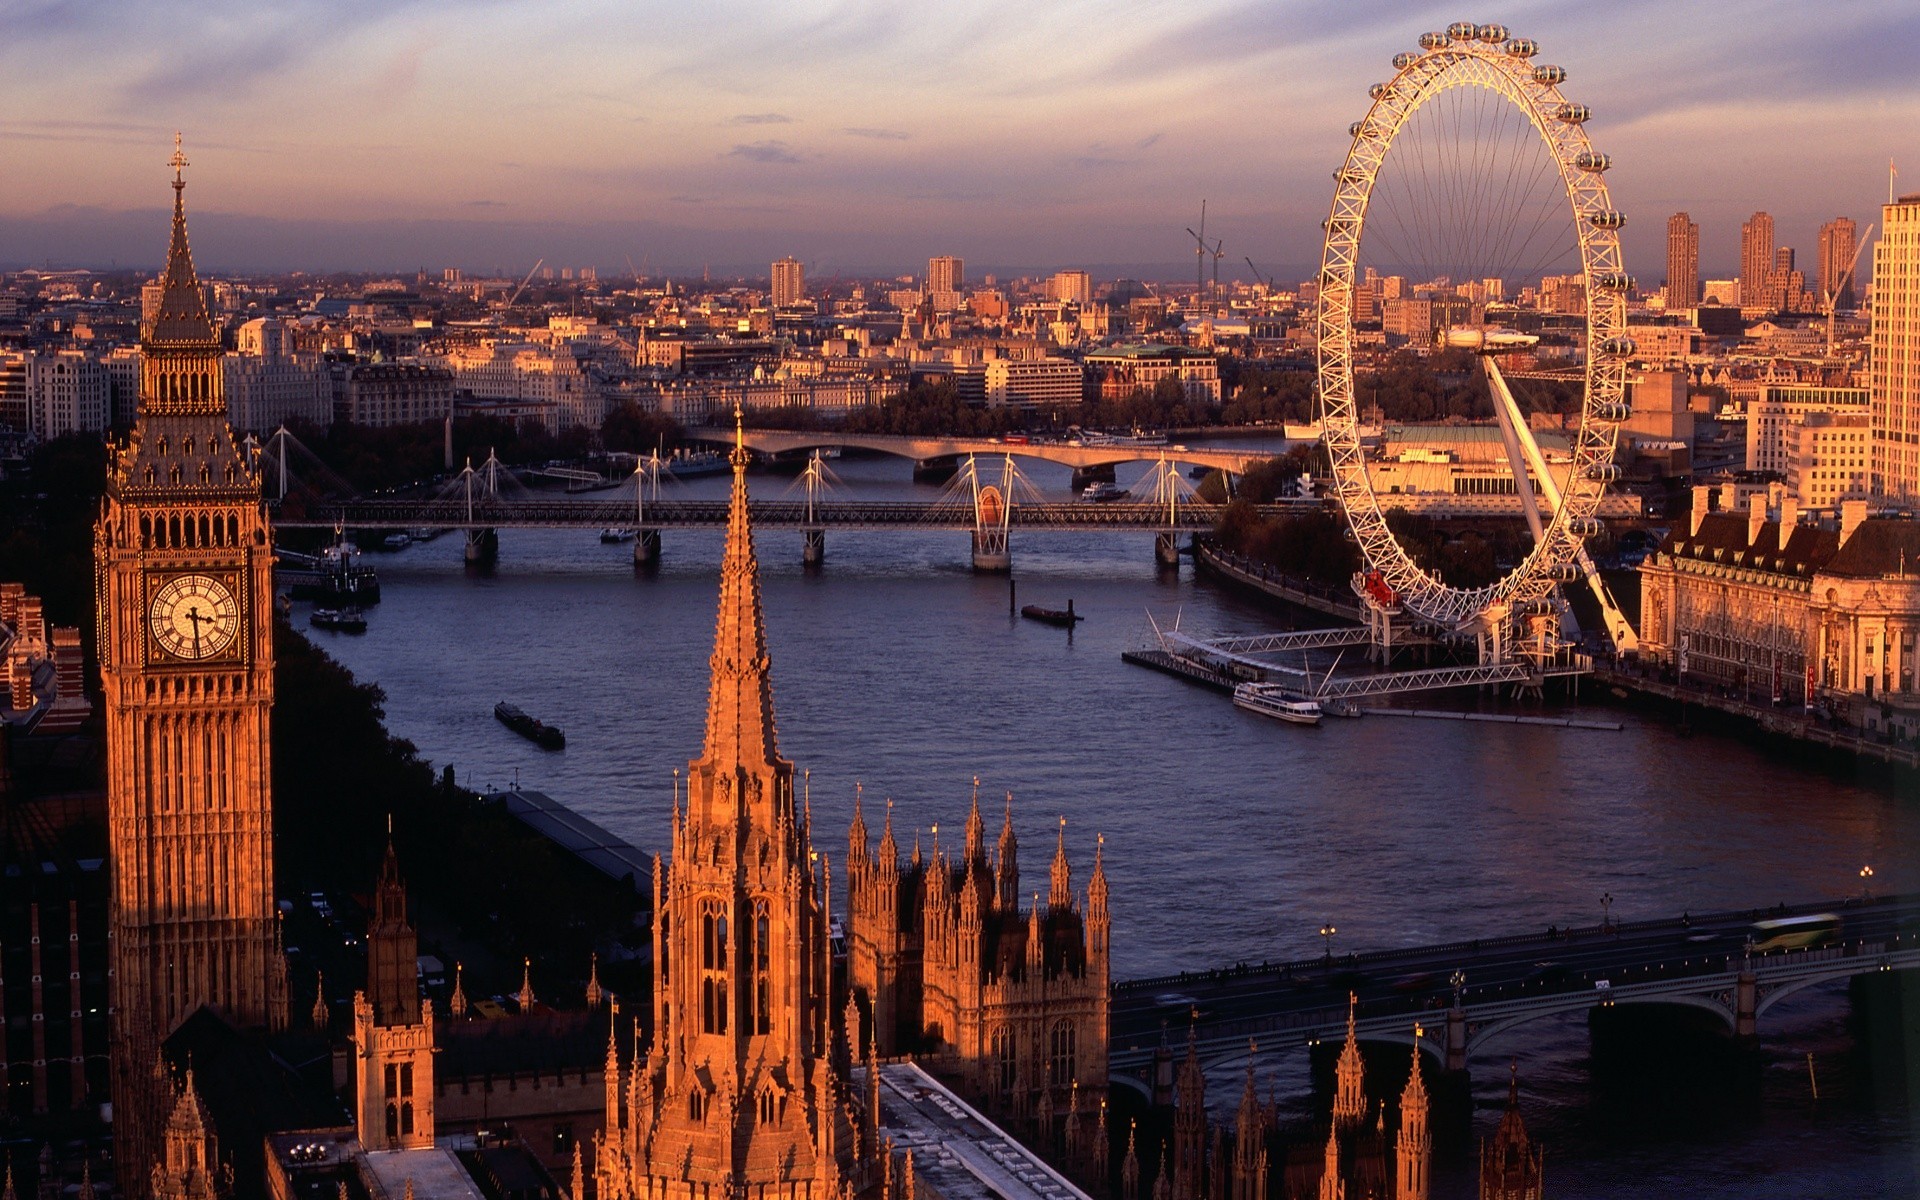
(1270, 701)
(614, 537)
(1104, 493)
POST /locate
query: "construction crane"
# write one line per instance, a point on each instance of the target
(1829, 295)
(524, 283)
(1200, 256)
(1217, 251)
(1258, 277)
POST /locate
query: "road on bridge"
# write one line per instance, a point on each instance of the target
(1309, 996)
(1188, 516)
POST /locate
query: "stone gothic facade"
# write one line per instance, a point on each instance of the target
(1009, 1003)
(738, 1096)
(1356, 1161)
(392, 1029)
(184, 591)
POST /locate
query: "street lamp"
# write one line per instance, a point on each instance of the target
(1327, 931)
(1459, 981)
(1606, 911)
(1866, 883)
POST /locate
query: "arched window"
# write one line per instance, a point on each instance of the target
(393, 1120)
(762, 986)
(714, 996)
(697, 1105)
(406, 1117)
(1006, 1061)
(1060, 1056)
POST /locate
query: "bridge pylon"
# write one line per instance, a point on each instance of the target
(646, 486)
(992, 513)
(1168, 490)
(813, 544)
(483, 544)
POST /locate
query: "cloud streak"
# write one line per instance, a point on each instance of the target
(769, 151)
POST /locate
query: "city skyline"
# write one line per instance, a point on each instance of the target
(400, 137)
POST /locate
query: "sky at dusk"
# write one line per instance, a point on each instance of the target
(864, 137)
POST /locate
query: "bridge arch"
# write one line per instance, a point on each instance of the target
(924, 449)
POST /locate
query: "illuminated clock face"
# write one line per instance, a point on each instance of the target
(193, 617)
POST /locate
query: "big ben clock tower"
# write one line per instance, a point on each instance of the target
(184, 587)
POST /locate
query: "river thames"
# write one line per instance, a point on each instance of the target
(1228, 837)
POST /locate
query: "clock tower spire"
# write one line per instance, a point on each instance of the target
(183, 562)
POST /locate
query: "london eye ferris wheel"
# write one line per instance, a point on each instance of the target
(1470, 180)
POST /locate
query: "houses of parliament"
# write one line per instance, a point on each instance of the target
(760, 1067)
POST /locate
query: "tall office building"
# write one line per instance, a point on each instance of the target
(1838, 243)
(1756, 260)
(789, 282)
(943, 274)
(1683, 262)
(1894, 385)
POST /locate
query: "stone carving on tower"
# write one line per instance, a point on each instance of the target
(190, 1166)
(1512, 1164)
(736, 1097)
(184, 590)
(1413, 1149)
(1010, 1005)
(392, 1029)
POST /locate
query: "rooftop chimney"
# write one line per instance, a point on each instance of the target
(1789, 518)
(1729, 497)
(1702, 501)
(1853, 514)
(1756, 518)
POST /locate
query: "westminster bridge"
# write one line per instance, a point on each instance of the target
(1455, 997)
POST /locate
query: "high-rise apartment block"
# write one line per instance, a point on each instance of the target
(1894, 382)
(789, 282)
(1071, 287)
(1756, 260)
(1683, 262)
(944, 274)
(1839, 240)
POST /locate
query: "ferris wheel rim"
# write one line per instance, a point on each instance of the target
(1502, 65)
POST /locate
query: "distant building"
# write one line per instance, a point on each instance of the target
(1032, 383)
(1071, 287)
(381, 394)
(44, 678)
(1683, 262)
(944, 278)
(67, 392)
(1839, 240)
(1756, 262)
(15, 399)
(1119, 372)
(1895, 373)
(269, 384)
(789, 283)
(1767, 604)
(1830, 461)
(1777, 412)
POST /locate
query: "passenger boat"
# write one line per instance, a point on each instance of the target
(340, 620)
(397, 541)
(538, 732)
(613, 537)
(1103, 493)
(333, 578)
(692, 466)
(1270, 701)
(1051, 616)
